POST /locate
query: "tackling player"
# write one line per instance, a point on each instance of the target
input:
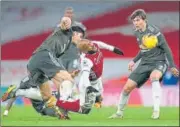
(43, 65)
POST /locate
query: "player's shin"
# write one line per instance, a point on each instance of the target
(156, 95)
(124, 97)
(50, 100)
(66, 89)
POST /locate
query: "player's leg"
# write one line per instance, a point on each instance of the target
(136, 79)
(98, 85)
(66, 89)
(25, 89)
(43, 67)
(9, 106)
(76, 105)
(155, 77)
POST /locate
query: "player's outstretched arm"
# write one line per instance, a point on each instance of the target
(103, 45)
(163, 44)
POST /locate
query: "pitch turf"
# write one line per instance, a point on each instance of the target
(134, 116)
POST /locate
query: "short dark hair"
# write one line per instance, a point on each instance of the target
(139, 12)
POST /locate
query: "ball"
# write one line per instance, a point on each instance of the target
(150, 41)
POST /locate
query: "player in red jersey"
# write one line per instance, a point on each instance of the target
(90, 83)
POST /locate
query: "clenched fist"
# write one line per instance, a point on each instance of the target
(65, 23)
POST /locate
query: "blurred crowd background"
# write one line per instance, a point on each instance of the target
(25, 24)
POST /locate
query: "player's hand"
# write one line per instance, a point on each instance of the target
(75, 73)
(175, 71)
(131, 65)
(64, 75)
(65, 23)
(118, 51)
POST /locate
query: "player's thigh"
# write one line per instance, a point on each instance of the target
(45, 90)
(158, 70)
(45, 63)
(140, 75)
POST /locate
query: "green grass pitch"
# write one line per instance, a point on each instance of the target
(133, 116)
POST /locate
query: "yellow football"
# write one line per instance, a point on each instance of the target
(150, 41)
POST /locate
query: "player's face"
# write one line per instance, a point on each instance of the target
(69, 13)
(85, 45)
(77, 36)
(138, 23)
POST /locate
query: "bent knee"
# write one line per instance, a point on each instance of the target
(129, 86)
(155, 75)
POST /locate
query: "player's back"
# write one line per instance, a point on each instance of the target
(97, 60)
(57, 42)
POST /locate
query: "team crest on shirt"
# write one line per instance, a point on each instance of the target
(85, 63)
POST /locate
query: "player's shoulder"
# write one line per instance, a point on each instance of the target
(153, 28)
(85, 61)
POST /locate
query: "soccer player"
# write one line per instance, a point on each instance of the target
(70, 58)
(90, 83)
(153, 64)
(43, 65)
(36, 100)
(34, 95)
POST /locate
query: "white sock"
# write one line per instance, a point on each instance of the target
(66, 89)
(156, 95)
(124, 97)
(32, 93)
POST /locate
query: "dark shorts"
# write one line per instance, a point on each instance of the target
(43, 66)
(141, 74)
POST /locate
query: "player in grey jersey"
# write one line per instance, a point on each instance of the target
(70, 58)
(153, 64)
(44, 66)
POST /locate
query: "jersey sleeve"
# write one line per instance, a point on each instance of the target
(137, 57)
(103, 45)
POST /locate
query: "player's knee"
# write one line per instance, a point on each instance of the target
(127, 90)
(155, 76)
(129, 86)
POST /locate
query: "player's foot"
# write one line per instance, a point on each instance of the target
(10, 93)
(155, 115)
(5, 113)
(64, 114)
(98, 105)
(98, 102)
(116, 115)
